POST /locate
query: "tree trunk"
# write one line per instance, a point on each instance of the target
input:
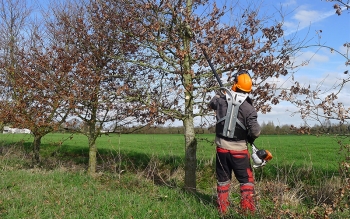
(92, 154)
(190, 155)
(36, 149)
(190, 138)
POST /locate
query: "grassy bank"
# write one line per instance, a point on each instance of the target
(140, 176)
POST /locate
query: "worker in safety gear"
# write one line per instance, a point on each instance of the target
(232, 153)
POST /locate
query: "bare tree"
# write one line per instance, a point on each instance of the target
(14, 15)
(321, 103)
(35, 73)
(103, 82)
(176, 78)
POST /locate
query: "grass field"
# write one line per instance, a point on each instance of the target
(320, 153)
(140, 176)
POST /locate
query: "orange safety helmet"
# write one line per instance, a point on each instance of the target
(242, 81)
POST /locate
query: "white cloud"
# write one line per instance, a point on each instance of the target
(304, 17)
(325, 80)
(311, 57)
(281, 114)
(289, 3)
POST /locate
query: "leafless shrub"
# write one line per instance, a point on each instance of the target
(281, 193)
(325, 192)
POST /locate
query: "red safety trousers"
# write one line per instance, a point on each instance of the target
(247, 198)
(223, 191)
(239, 163)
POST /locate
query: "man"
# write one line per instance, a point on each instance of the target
(232, 153)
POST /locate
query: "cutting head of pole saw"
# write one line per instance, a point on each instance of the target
(260, 157)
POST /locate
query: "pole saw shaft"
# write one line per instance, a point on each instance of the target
(212, 67)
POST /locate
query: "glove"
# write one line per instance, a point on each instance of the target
(250, 140)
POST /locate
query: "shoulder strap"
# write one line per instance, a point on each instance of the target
(234, 100)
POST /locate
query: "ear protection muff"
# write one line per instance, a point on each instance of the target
(234, 86)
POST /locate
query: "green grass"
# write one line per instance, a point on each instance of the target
(304, 157)
(56, 194)
(141, 176)
(320, 153)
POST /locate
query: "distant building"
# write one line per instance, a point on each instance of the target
(8, 130)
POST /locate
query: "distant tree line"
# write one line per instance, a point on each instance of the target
(268, 128)
(271, 129)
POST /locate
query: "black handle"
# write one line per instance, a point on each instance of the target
(211, 66)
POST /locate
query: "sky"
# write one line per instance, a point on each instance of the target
(306, 17)
(303, 19)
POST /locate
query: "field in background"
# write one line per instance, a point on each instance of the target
(321, 152)
(140, 176)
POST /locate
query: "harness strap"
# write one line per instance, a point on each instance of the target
(234, 101)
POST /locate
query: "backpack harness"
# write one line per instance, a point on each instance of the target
(234, 101)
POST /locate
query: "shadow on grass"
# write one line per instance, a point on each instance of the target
(126, 158)
(15, 148)
(161, 170)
